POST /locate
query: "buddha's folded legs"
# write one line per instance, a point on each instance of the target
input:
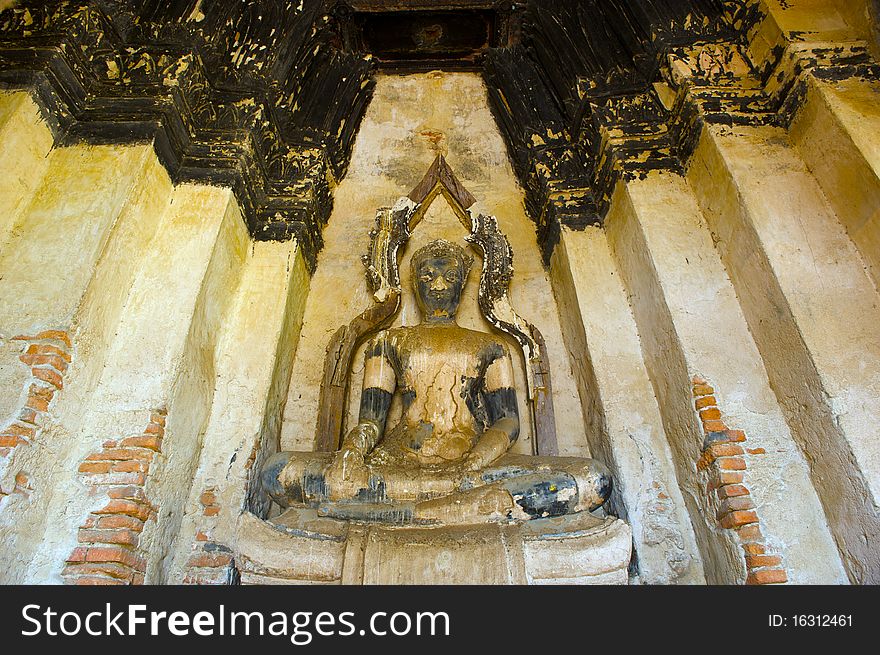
(515, 487)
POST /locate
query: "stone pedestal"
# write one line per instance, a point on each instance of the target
(299, 547)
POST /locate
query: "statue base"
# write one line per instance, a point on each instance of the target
(300, 547)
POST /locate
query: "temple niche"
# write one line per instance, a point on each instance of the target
(360, 292)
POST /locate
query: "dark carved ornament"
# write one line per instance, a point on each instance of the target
(248, 93)
(267, 96)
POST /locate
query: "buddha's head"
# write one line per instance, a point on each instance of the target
(439, 272)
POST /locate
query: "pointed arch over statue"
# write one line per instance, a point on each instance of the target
(391, 231)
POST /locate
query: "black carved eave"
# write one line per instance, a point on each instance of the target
(576, 68)
(254, 94)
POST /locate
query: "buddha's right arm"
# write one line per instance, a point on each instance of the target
(380, 382)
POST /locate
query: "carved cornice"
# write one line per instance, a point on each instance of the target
(597, 92)
(252, 94)
(266, 96)
(574, 99)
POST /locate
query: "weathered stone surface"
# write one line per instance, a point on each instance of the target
(299, 549)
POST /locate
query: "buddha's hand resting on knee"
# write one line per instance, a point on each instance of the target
(491, 446)
(348, 464)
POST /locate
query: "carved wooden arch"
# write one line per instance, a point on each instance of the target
(392, 230)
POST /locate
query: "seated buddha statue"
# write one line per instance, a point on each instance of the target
(447, 460)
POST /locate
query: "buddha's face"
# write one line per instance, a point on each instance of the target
(438, 284)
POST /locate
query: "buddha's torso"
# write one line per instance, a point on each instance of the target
(440, 373)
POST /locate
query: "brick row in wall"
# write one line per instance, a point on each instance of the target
(47, 354)
(723, 463)
(210, 562)
(109, 540)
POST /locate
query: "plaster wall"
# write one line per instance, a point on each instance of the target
(55, 279)
(141, 277)
(25, 140)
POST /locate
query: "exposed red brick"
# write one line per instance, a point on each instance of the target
(38, 349)
(129, 466)
(754, 549)
(55, 361)
(58, 335)
(211, 511)
(119, 521)
(22, 483)
(750, 533)
(127, 507)
(705, 401)
(736, 504)
(50, 376)
(154, 428)
(129, 492)
(120, 454)
(732, 491)
(731, 463)
(94, 467)
(115, 554)
(761, 561)
(710, 414)
(728, 477)
(203, 560)
(756, 451)
(112, 533)
(767, 576)
(735, 435)
(38, 403)
(20, 430)
(28, 415)
(78, 554)
(703, 390)
(97, 580)
(111, 569)
(739, 518)
(714, 426)
(723, 450)
(121, 537)
(152, 443)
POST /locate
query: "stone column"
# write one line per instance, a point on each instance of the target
(619, 404)
(794, 244)
(87, 200)
(254, 359)
(814, 314)
(691, 325)
(161, 363)
(837, 132)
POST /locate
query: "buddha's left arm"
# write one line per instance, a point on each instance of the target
(501, 407)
